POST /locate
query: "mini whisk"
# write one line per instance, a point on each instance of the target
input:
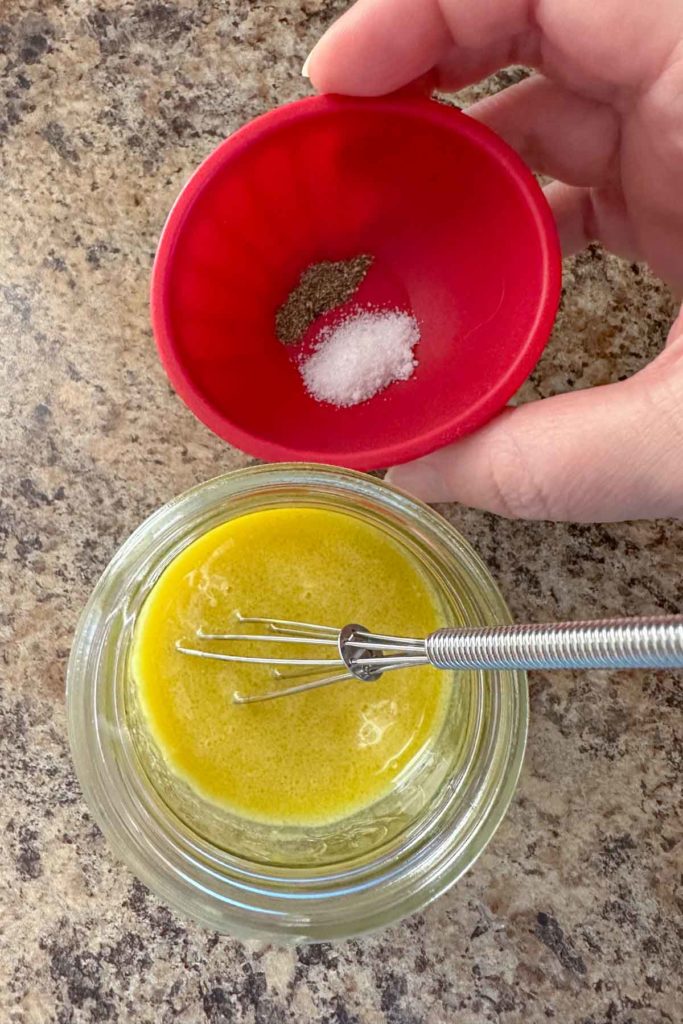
(357, 653)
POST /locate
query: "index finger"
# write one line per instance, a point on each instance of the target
(379, 46)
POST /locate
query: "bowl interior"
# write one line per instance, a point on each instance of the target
(460, 235)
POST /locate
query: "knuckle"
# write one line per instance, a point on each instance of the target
(517, 489)
(662, 430)
(661, 388)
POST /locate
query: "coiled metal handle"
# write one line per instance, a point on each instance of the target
(655, 642)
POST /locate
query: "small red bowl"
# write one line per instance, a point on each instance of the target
(461, 236)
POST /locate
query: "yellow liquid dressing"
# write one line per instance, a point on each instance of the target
(311, 758)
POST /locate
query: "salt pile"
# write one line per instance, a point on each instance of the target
(361, 356)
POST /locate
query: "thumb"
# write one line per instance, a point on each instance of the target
(600, 455)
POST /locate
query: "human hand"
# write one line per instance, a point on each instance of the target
(603, 117)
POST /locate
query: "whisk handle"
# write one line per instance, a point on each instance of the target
(653, 642)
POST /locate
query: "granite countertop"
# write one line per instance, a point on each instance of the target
(573, 913)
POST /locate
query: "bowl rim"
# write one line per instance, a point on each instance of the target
(493, 399)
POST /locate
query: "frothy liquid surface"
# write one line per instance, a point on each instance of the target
(305, 759)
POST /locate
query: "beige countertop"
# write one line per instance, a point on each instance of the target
(573, 913)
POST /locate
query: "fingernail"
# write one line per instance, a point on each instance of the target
(307, 64)
(420, 479)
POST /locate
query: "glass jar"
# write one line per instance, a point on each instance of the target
(342, 880)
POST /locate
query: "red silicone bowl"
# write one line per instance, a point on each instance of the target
(461, 236)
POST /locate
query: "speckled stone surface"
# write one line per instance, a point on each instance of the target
(573, 914)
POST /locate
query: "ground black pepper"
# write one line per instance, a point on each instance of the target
(321, 287)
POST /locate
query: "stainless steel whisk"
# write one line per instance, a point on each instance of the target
(652, 642)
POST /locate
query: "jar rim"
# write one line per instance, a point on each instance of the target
(189, 873)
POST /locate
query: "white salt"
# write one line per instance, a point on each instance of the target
(361, 356)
